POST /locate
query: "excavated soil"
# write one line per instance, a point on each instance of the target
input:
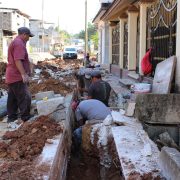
(84, 168)
(48, 85)
(2, 68)
(59, 64)
(20, 147)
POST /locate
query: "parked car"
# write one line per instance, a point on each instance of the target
(70, 53)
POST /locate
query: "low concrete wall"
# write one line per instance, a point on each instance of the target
(162, 108)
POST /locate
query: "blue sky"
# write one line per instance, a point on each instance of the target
(69, 12)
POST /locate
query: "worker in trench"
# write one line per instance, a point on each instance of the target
(91, 83)
(17, 78)
(87, 110)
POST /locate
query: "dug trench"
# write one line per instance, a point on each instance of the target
(20, 149)
(97, 157)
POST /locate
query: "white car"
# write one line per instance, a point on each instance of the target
(70, 53)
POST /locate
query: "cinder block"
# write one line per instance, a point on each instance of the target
(48, 106)
(130, 109)
(41, 95)
(169, 161)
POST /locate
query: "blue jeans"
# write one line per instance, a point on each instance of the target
(77, 136)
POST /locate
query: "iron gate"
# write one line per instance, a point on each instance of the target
(161, 30)
(115, 45)
(138, 44)
(125, 55)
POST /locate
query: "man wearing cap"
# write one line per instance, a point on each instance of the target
(99, 89)
(17, 77)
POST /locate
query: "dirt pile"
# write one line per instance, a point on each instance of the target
(23, 145)
(2, 68)
(59, 64)
(29, 140)
(48, 85)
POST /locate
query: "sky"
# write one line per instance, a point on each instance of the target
(69, 12)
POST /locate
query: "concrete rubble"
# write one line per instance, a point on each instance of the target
(123, 147)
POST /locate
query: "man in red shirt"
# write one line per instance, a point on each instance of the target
(17, 77)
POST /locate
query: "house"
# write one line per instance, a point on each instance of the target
(45, 35)
(10, 20)
(128, 28)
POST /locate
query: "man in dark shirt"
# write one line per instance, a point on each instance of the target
(99, 89)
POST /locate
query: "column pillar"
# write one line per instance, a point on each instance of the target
(122, 20)
(132, 37)
(177, 77)
(143, 29)
(110, 44)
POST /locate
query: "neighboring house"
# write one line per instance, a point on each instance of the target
(127, 28)
(45, 36)
(10, 20)
(79, 44)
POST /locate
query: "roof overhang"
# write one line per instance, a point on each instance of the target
(102, 10)
(117, 8)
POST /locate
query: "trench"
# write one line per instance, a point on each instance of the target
(96, 164)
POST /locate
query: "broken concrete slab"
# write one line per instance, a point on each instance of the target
(46, 107)
(163, 76)
(137, 153)
(169, 161)
(163, 108)
(130, 109)
(47, 94)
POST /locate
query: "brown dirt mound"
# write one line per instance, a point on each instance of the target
(2, 68)
(59, 64)
(49, 85)
(28, 141)
(23, 145)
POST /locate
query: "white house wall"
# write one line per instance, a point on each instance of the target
(103, 43)
(18, 21)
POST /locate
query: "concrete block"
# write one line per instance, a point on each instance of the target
(130, 109)
(169, 161)
(163, 76)
(48, 106)
(163, 108)
(41, 95)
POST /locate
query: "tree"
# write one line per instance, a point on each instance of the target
(91, 32)
(94, 38)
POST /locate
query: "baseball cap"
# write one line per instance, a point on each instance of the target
(25, 30)
(96, 74)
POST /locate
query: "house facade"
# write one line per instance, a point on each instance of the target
(128, 28)
(45, 35)
(10, 20)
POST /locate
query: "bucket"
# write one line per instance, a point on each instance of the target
(141, 88)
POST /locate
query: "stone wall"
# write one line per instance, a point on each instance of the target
(163, 108)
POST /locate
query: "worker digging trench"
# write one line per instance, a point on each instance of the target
(43, 148)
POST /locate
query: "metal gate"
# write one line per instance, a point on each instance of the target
(125, 55)
(115, 45)
(161, 30)
(138, 44)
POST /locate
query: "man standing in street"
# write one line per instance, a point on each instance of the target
(17, 78)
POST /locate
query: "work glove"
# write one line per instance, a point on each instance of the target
(25, 78)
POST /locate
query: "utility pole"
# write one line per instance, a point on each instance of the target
(86, 32)
(42, 25)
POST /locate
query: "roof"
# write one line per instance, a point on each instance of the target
(17, 10)
(102, 10)
(116, 7)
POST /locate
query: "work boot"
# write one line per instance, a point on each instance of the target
(12, 125)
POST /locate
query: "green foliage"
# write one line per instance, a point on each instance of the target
(65, 36)
(94, 39)
(91, 32)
